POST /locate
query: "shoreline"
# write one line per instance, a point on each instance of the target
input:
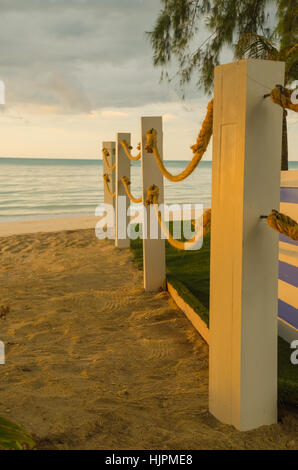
(58, 224)
(47, 225)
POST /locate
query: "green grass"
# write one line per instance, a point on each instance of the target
(189, 273)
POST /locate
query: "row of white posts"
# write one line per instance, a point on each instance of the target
(247, 135)
(153, 249)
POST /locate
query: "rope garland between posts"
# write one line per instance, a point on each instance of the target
(152, 198)
(107, 180)
(199, 148)
(283, 224)
(275, 220)
(126, 182)
(127, 149)
(106, 154)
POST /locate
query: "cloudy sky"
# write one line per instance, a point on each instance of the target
(77, 71)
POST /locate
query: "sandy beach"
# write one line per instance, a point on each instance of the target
(94, 362)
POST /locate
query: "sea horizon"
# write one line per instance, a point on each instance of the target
(40, 188)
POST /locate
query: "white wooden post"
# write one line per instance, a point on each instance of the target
(111, 147)
(122, 201)
(247, 134)
(153, 249)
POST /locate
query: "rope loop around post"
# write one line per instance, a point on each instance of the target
(283, 224)
(107, 180)
(152, 199)
(106, 154)
(282, 96)
(126, 183)
(152, 195)
(199, 148)
(127, 149)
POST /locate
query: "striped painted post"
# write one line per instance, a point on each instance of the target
(288, 262)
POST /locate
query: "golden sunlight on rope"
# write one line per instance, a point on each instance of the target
(199, 148)
(152, 198)
(107, 180)
(127, 148)
(206, 222)
(106, 154)
(283, 224)
(282, 97)
(126, 182)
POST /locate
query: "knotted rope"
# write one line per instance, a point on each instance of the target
(152, 198)
(282, 97)
(107, 180)
(106, 154)
(152, 195)
(126, 183)
(199, 148)
(127, 149)
(283, 224)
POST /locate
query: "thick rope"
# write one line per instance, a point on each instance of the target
(106, 154)
(292, 50)
(206, 222)
(282, 97)
(199, 148)
(126, 182)
(107, 180)
(127, 149)
(152, 195)
(283, 224)
(152, 198)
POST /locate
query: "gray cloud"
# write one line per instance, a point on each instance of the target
(79, 55)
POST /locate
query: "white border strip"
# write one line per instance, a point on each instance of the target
(286, 331)
(193, 317)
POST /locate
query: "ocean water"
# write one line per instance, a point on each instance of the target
(44, 188)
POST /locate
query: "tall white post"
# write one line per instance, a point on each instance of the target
(111, 148)
(153, 249)
(122, 202)
(247, 135)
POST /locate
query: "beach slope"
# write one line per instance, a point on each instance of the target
(94, 362)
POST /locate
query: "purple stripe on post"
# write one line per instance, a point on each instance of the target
(288, 273)
(288, 313)
(285, 239)
(289, 195)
